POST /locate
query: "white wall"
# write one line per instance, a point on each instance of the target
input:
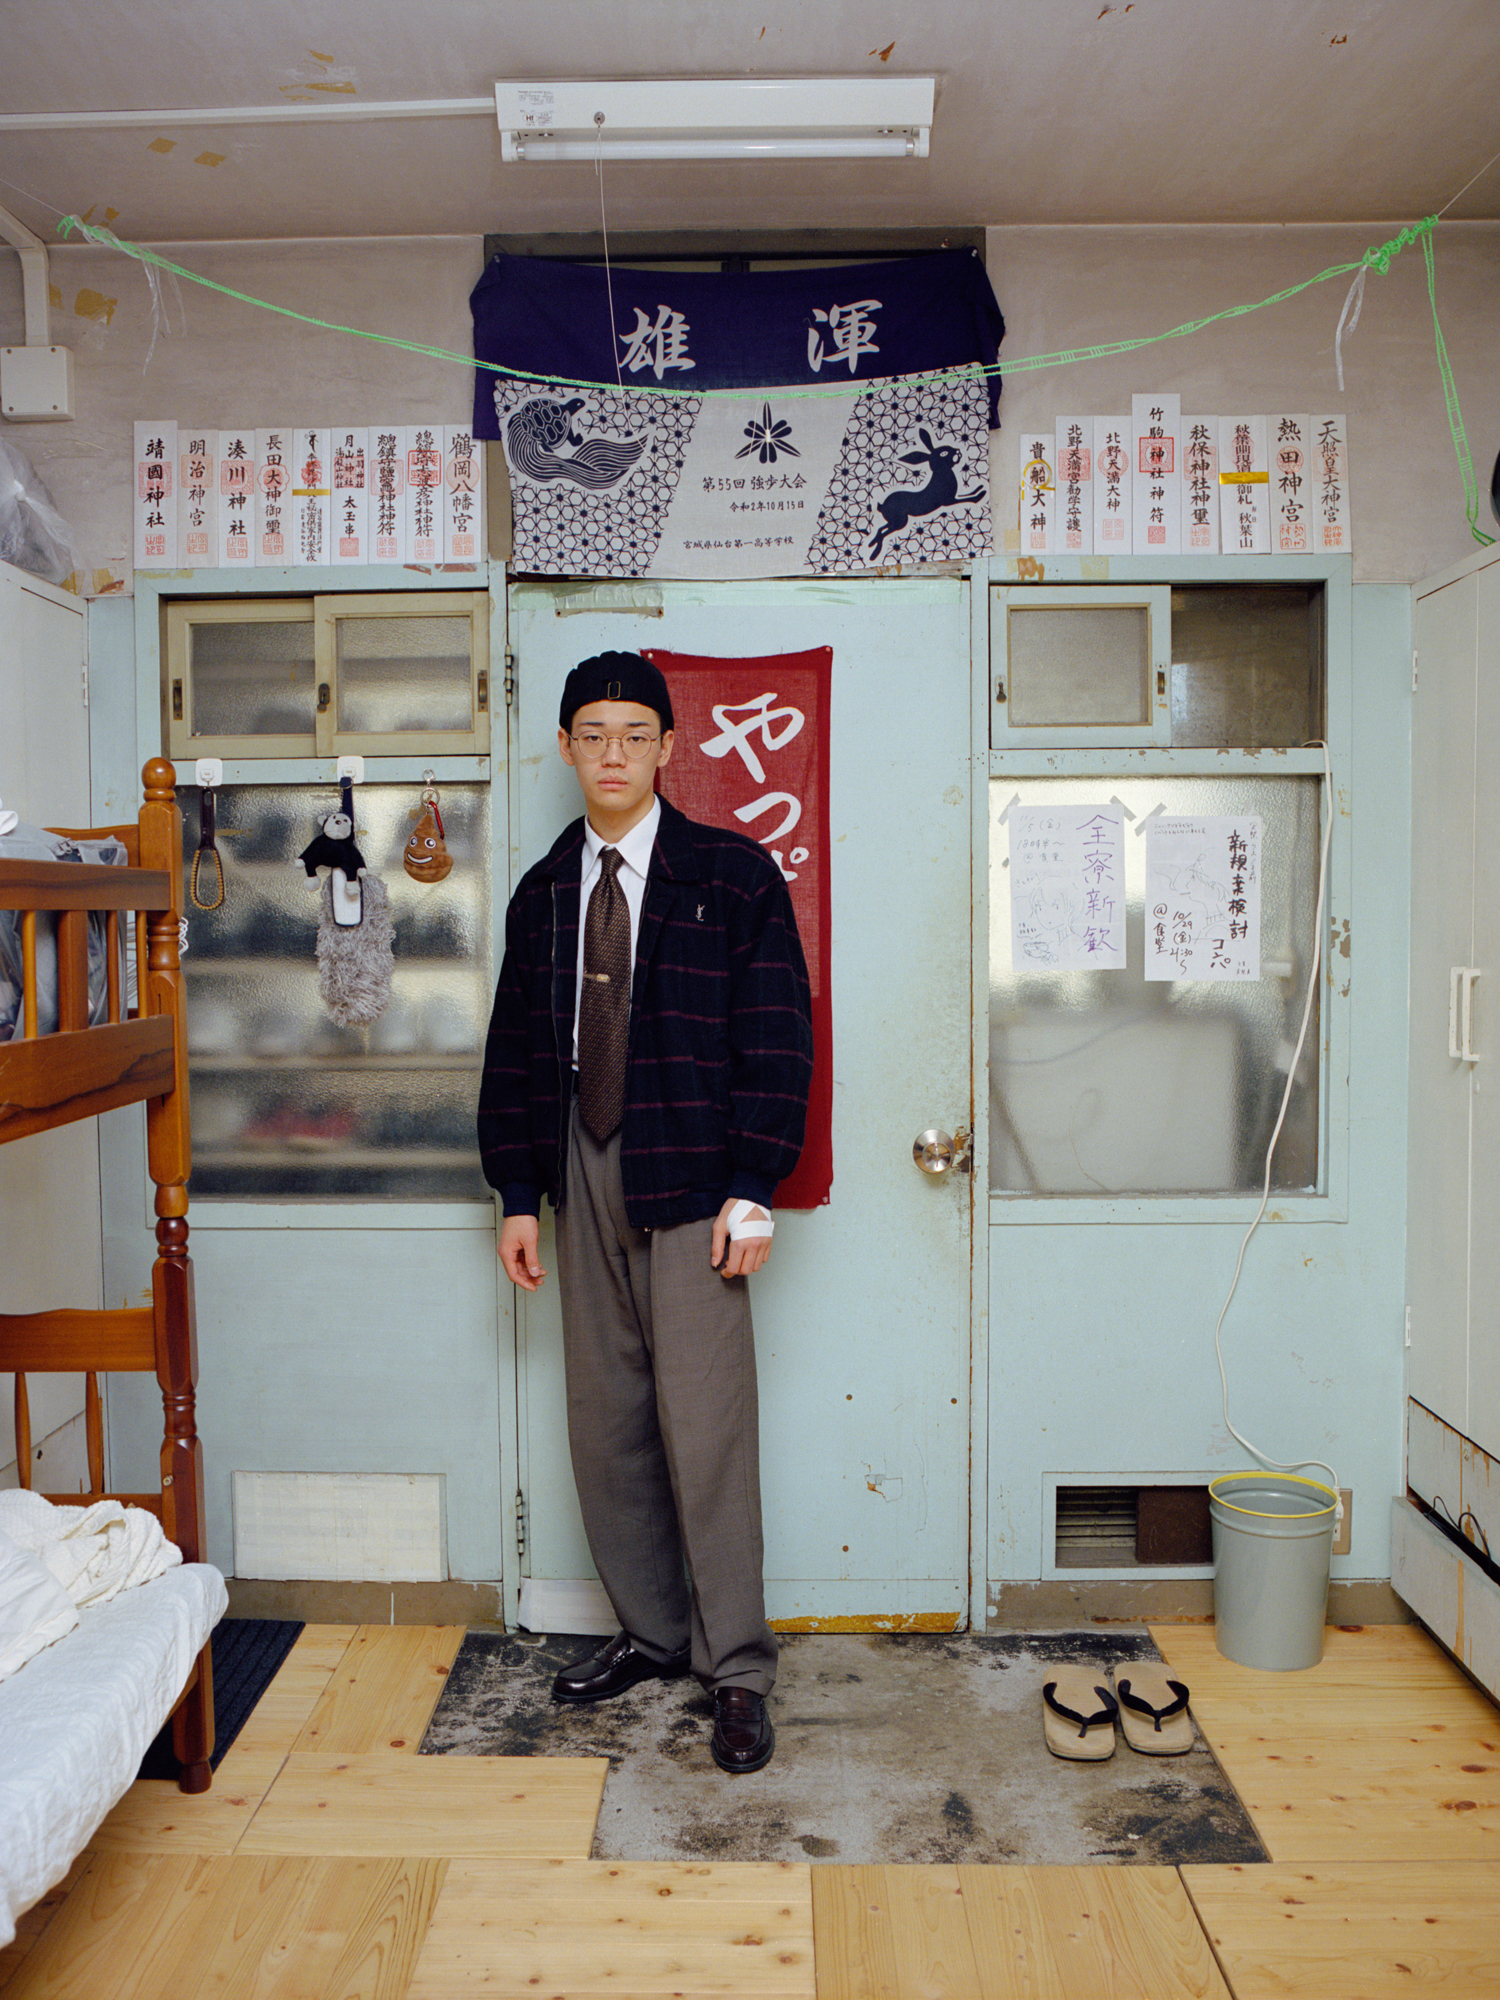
(218, 362)
(1066, 288)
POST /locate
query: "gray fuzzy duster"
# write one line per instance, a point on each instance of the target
(355, 964)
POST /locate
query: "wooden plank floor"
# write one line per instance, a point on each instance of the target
(148, 1926)
(512, 1806)
(1354, 1930)
(382, 1693)
(969, 1933)
(330, 1863)
(593, 1928)
(154, 1816)
(1383, 1751)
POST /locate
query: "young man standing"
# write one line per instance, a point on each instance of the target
(647, 1068)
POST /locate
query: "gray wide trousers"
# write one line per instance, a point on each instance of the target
(663, 1423)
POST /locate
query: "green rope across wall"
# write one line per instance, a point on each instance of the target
(1377, 258)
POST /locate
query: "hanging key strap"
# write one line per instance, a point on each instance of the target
(206, 861)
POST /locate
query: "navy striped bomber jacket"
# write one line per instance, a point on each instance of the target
(720, 1058)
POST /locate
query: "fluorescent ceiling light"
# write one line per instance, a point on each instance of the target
(729, 118)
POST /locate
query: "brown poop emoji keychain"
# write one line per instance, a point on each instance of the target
(426, 858)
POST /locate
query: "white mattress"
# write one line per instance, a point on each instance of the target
(76, 1720)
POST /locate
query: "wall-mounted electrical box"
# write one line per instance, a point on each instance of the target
(36, 384)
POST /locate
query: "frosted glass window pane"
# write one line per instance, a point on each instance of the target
(1078, 666)
(253, 679)
(1104, 1084)
(285, 1102)
(400, 674)
(1247, 665)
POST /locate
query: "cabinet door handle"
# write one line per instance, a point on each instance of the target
(1466, 1014)
(1455, 974)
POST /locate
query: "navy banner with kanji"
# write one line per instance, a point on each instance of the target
(733, 330)
(850, 447)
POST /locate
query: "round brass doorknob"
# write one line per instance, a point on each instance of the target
(933, 1151)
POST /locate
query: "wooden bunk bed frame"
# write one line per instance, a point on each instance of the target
(47, 1080)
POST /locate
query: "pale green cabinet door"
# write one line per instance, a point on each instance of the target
(1445, 800)
(863, 1315)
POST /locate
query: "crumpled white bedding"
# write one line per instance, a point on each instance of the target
(76, 1721)
(94, 1552)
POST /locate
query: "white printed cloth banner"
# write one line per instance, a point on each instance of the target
(845, 428)
(609, 483)
(1067, 888)
(1203, 897)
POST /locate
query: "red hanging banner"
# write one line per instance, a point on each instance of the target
(751, 754)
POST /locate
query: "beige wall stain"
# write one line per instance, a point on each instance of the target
(162, 146)
(210, 159)
(94, 305)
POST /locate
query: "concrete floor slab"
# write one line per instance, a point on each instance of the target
(890, 1748)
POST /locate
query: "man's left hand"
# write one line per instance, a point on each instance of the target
(738, 1260)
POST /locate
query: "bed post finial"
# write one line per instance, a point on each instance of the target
(160, 780)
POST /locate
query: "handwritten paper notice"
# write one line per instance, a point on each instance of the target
(1203, 898)
(1073, 529)
(1156, 460)
(1329, 444)
(1067, 888)
(1244, 487)
(156, 496)
(1291, 486)
(1113, 504)
(1038, 491)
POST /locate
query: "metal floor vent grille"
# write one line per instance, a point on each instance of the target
(1096, 1527)
(1132, 1527)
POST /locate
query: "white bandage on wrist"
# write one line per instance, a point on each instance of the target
(745, 1223)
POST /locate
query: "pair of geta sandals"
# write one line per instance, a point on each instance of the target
(1079, 1711)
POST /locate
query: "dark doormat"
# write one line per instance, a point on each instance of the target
(246, 1653)
(889, 1749)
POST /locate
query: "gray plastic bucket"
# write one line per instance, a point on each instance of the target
(1273, 1542)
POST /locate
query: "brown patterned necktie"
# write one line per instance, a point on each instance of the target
(604, 1006)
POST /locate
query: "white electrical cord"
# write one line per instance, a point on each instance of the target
(1273, 1464)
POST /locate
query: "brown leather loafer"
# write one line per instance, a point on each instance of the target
(743, 1738)
(614, 1669)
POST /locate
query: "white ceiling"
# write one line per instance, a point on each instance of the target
(1049, 111)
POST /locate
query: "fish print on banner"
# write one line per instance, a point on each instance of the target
(614, 481)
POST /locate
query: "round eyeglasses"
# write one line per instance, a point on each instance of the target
(591, 744)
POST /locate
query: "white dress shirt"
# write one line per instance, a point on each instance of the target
(635, 859)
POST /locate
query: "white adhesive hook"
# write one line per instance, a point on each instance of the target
(209, 773)
(352, 768)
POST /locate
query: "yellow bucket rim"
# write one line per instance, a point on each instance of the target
(1259, 1513)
